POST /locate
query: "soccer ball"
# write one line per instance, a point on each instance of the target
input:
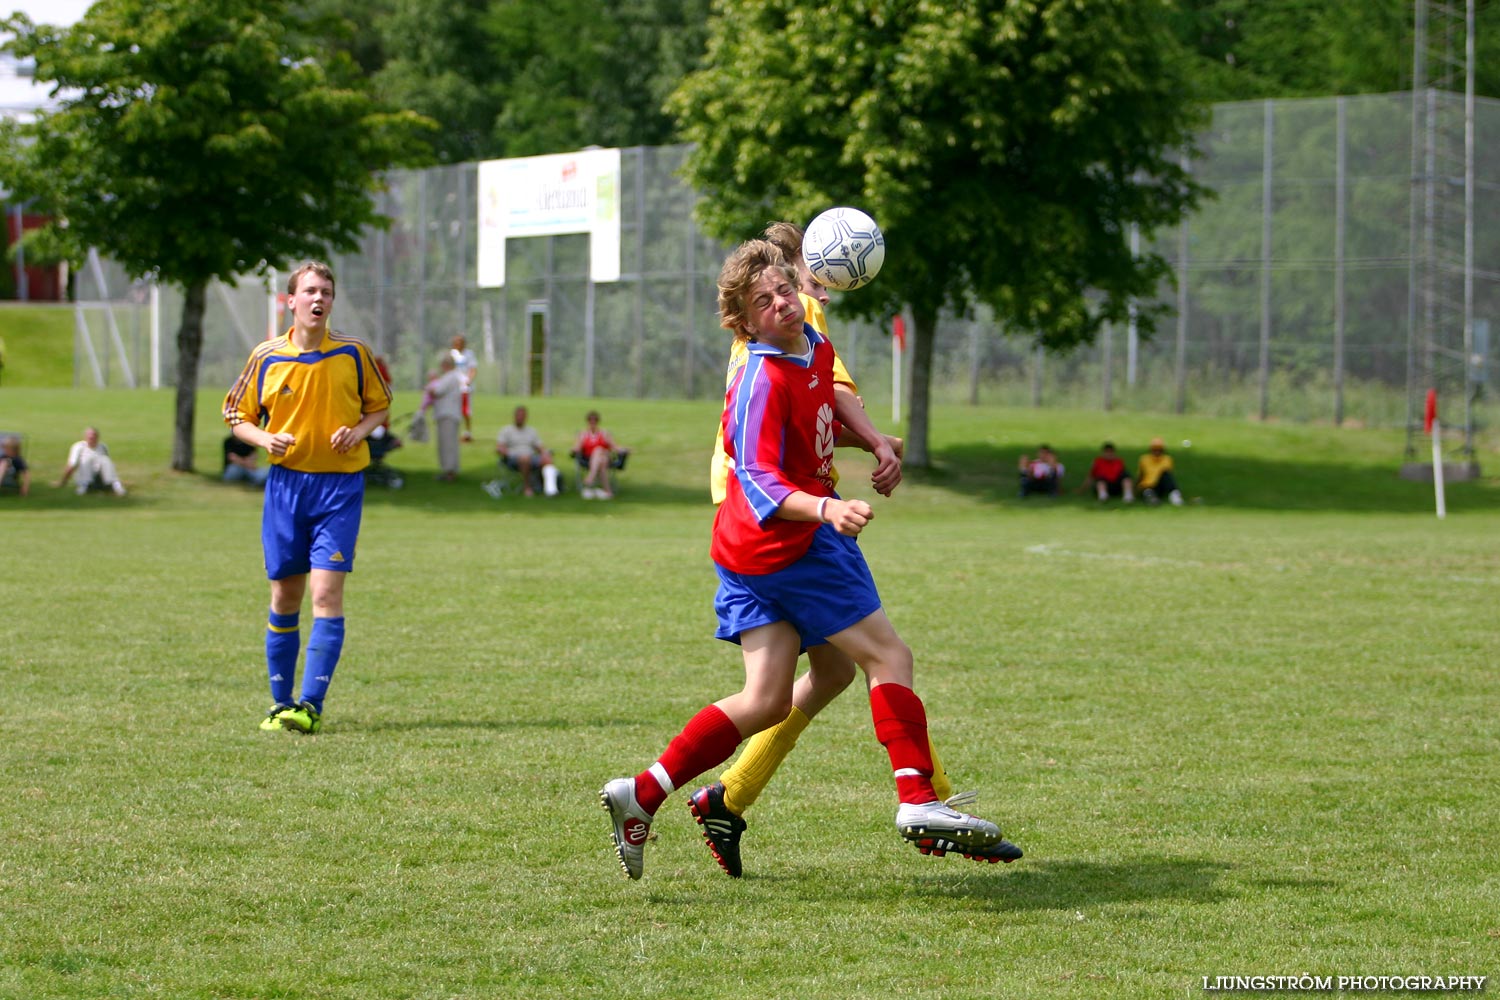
(843, 248)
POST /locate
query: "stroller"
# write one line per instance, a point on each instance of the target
(382, 442)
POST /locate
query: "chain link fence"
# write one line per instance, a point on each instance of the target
(1319, 283)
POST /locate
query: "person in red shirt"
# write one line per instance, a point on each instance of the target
(790, 571)
(596, 450)
(1108, 476)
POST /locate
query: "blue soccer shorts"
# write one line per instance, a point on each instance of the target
(821, 594)
(310, 521)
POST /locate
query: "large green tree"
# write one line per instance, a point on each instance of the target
(1005, 147)
(198, 140)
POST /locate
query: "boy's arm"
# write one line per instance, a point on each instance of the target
(851, 413)
(67, 472)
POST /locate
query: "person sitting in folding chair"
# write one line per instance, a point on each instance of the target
(520, 448)
(15, 474)
(596, 454)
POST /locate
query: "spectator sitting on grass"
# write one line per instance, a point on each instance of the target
(89, 460)
(1042, 474)
(1155, 475)
(1109, 477)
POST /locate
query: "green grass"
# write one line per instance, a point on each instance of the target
(38, 342)
(1256, 735)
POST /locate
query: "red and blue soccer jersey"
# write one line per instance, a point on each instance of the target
(780, 430)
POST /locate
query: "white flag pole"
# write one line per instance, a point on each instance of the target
(1437, 468)
(895, 381)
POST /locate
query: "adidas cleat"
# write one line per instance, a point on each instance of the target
(632, 824)
(721, 827)
(302, 719)
(940, 821)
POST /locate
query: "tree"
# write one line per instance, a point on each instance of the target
(1005, 149)
(198, 140)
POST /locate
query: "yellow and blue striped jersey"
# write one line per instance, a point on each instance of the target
(720, 466)
(310, 394)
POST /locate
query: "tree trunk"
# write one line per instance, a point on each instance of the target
(924, 334)
(189, 349)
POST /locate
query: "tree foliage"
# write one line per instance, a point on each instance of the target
(1253, 49)
(198, 139)
(523, 77)
(1006, 148)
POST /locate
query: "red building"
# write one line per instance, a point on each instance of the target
(41, 284)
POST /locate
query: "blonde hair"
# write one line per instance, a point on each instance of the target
(787, 236)
(317, 267)
(738, 276)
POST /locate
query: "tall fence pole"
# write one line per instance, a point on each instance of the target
(1267, 193)
(1469, 382)
(1180, 364)
(1339, 197)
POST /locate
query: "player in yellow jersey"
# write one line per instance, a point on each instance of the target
(310, 398)
(719, 807)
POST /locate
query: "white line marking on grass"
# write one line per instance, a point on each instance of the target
(1048, 549)
(1358, 565)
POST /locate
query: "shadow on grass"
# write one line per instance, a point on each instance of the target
(1083, 885)
(492, 725)
(988, 472)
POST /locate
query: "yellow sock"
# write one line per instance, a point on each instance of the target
(940, 782)
(764, 753)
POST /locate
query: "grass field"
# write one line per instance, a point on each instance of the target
(38, 345)
(1253, 736)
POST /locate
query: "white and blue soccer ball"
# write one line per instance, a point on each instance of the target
(843, 248)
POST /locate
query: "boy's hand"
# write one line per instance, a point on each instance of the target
(887, 474)
(848, 517)
(280, 444)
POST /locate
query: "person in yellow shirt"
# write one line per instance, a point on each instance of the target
(1155, 476)
(310, 398)
(719, 807)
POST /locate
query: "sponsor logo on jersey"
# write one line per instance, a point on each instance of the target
(824, 439)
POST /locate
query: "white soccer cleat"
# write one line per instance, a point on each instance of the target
(632, 824)
(940, 820)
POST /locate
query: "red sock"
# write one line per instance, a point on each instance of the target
(901, 727)
(708, 740)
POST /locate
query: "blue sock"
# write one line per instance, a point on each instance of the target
(323, 649)
(283, 641)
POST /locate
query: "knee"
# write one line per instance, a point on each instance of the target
(770, 710)
(834, 672)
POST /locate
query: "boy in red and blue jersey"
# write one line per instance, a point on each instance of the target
(790, 572)
(310, 398)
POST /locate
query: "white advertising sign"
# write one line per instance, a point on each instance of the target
(545, 195)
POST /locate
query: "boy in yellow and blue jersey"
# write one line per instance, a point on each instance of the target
(719, 807)
(309, 398)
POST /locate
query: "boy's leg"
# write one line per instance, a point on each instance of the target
(708, 739)
(830, 672)
(901, 726)
(283, 643)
